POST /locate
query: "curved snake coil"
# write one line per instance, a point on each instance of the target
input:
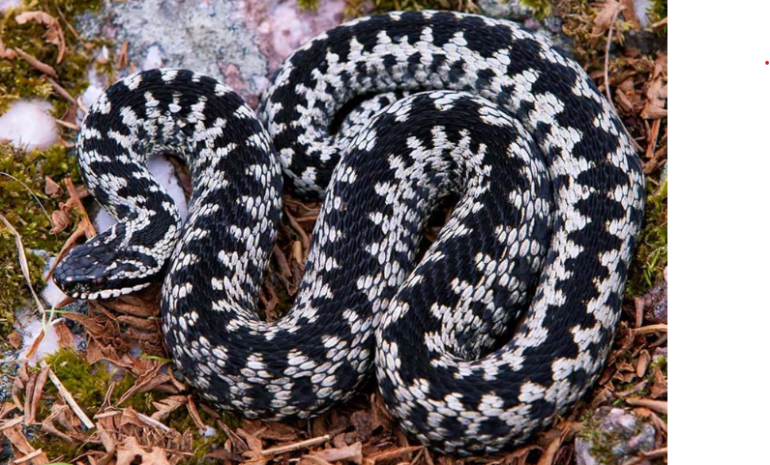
(507, 319)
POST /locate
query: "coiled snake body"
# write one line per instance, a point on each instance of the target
(506, 320)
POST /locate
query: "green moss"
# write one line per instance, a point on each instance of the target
(86, 383)
(542, 8)
(602, 440)
(658, 11)
(19, 78)
(308, 4)
(652, 249)
(55, 447)
(28, 218)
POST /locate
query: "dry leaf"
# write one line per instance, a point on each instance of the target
(166, 406)
(53, 34)
(15, 339)
(129, 449)
(52, 188)
(22, 447)
(351, 453)
(604, 18)
(657, 91)
(60, 221)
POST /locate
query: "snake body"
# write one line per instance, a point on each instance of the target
(506, 320)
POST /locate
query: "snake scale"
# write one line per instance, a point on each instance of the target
(505, 321)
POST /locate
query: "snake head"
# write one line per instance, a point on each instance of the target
(103, 268)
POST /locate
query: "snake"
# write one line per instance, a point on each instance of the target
(476, 340)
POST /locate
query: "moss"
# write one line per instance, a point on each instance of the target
(86, 383)
(652, 249)
(308, 4)
(28, 218)
(542, 8)
(19, 78)
(603, 441)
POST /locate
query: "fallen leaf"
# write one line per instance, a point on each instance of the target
(21, 446)
(53, 34)
(351, 453)
(167, 405)
(657, 91)
(604, 18)
(129, 449)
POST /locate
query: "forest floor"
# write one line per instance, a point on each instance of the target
(101, 400)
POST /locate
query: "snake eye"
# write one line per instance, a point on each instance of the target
(98, 283)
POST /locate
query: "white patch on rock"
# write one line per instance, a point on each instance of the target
(6, 5)
(28, 125)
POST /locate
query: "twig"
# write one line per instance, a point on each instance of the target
(653, 142)
(661, 23)
(297, 445)
(82, 105)
(607, 59)
(23, 262)
(111, 413)
(663, 451)
(61, 90)
(650, 329)
(153, 422)
(29, 456)
(11, 423)
(660, 406)
(389, 454)
(67, 125)
(35, 63)
(69, 399)
(89, 227)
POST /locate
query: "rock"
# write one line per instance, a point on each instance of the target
(511, 9)
(208, 37)
(613, 436)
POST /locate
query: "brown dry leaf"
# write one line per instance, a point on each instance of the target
(147, 381)
(123, 56)
(53, 34)
(659, 385)
(657, 90)
(22, 448)
(129, 449)
(63, 333)
(60, 221)
(604, 18)
(58, 411)
(660, 406)
(391, 454)
(52, 188)
(351, 453)
(166, 406)
(15, 339)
